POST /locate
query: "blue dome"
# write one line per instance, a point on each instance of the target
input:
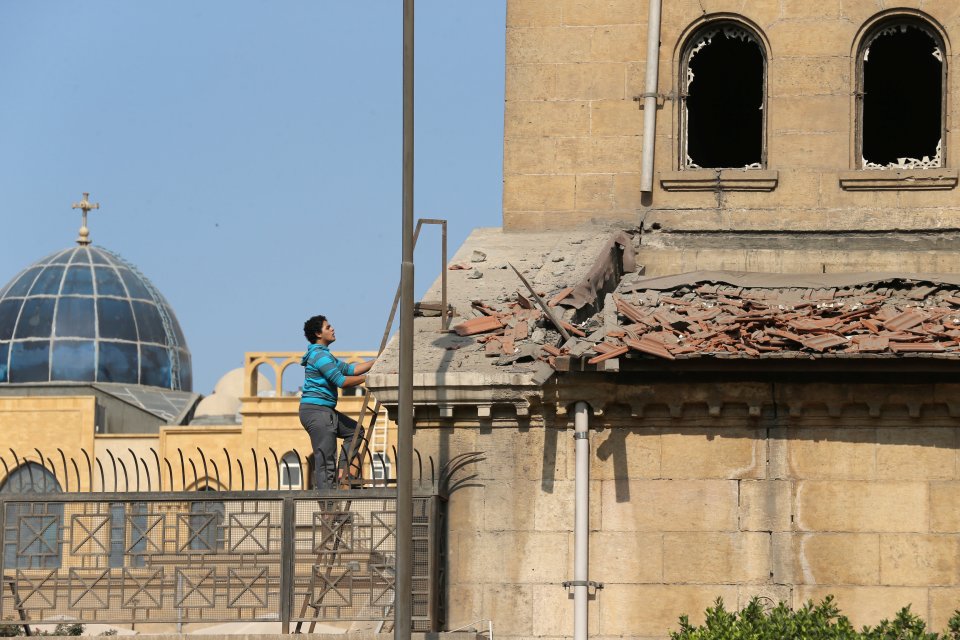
(85, 314)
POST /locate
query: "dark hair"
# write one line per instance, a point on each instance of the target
(312, 327)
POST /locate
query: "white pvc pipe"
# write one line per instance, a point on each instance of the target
(581, 530)
(650, 96)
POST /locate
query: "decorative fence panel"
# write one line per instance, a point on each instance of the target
(293, 557)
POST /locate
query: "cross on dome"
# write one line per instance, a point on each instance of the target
(86, 206)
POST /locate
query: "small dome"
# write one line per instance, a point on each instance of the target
(85, 314)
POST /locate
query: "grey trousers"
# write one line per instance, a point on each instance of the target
(325, 425)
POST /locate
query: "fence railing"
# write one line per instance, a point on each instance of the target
(196, 469)
(214, 556)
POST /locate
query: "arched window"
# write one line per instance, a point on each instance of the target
(32, 530)
(901, 75)
(723, 97)
(290, 473)
(30, 477)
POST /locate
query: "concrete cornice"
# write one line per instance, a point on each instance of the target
(753, 400)
(447, 390)
(683, 403)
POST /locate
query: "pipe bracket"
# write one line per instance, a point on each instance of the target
(589, 584)
(581, 435)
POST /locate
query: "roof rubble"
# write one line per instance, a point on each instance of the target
(711, 318)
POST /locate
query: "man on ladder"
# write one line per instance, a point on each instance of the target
(323, 375)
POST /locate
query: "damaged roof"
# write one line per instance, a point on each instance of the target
(507, 342)
(716, 314)
(734, 315)
(480, 271)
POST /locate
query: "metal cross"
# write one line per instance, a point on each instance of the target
(86, 206)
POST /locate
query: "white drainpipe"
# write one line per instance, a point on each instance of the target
(581, 532)
(650, 96)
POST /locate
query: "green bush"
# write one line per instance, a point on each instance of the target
(64, 629)
(810, 622)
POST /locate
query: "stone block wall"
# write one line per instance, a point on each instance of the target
(47, 423)
(791, 505)
(573, 127)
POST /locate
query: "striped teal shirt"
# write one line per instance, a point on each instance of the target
(323, 375)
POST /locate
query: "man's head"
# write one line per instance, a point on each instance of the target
(317, 329)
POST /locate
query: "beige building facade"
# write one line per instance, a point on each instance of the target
(244, 436)
(779, 149)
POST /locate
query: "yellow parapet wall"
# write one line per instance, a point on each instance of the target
(212, 453)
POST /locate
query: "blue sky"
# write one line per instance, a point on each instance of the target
(246, 154)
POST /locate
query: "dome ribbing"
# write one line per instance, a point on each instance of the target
(85, 314)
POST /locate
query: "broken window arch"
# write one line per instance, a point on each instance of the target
(723, 98)
(901, 76)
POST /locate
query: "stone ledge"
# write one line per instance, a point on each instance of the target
(898, 180)
(720, 180)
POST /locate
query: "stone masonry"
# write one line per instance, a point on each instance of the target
(815, 494)
(787, 483)
(573, 135)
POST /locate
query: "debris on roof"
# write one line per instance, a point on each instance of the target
(700, 319)
(891, 318)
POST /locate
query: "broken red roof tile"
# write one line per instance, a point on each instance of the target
(906, 320)
(780, 333)
(619, 351)
(668, 318)
(521, 331)
(480, 306)
(907, 347)
(729, 301)
(677, 301)
(478, 325)
(552, 350)
(769, 348)
(678, 351)
(920, 292)
(628, 310)
(706, 314)
(813, 324)
(871, 343)
(823, 342)
(886, 312)
(748, 350)
(572, 329)
(650, 347)
(563, 293)
(604, 347)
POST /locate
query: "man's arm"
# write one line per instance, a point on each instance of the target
(360, 368)
(353, 381)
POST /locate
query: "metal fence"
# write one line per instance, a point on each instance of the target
(205, 556)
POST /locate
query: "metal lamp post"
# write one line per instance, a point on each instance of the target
(403, 609)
